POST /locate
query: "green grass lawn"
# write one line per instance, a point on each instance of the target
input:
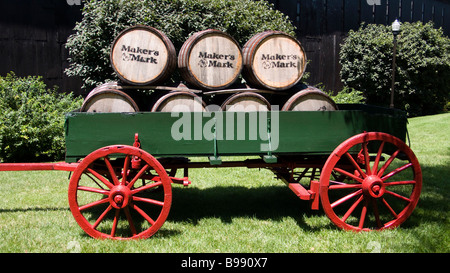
(234, 210)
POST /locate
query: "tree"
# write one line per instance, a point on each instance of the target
(423, 66)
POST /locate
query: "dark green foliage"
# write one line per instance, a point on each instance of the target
(423, 66)
(348, 96)
(32, 119)
(103, 20)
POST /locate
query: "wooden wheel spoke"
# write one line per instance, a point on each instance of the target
(115, 222)
(138, 175)
(376, 213)
(111, 171)
(391, 210)
(351, 209)
(362, 218)
(399, 183)
(143, 214)
(101, 178)
(93, 204)
(130, 220)
(102, 216)
(387, 163)
(126, 166)
(148, 201)
(94, 190)
(378, 157)
(342, 186)
(146, 187)
(355, 164)
(396, 171)
(94, 180)
(352, 176)
(346, 198)
(399, 196)
(333, 182)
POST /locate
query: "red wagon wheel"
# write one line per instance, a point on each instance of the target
(107, 202)
(382, 183)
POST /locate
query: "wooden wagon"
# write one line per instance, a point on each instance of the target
(354, 161)
(351, 160)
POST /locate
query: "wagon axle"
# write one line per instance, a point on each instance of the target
(120, 196)
(373, 186)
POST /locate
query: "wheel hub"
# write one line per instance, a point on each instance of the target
(373, 186)
(119, 196)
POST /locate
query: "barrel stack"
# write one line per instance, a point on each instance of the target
(214, 69)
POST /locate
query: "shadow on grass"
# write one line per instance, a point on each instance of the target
(264, 203)
(434, 202)
(32, 209)
(274, 203)
(277, 202)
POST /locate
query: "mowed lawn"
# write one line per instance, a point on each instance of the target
(234, 210)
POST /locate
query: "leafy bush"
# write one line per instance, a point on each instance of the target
(102, 21)
(32, 119)
(348, 96)
(423, 66)
(447, 107)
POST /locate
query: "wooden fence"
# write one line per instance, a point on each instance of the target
(322, 26)
(33, 34)
(318, 17)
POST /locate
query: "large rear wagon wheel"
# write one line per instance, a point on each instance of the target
(382, 183)
(108, 203)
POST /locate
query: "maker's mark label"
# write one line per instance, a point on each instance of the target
(271, 61)
(138, 54)
(216, 60)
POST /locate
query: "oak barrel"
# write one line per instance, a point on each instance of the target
(179, 101)
(246, 102)
(310, 99)
(108, 100)
(143, 55)
(273, 60)
(210, 59)
(104, 86)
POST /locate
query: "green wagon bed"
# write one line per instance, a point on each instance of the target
(229, 133)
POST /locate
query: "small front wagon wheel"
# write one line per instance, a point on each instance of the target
(381, 185)
(107, 202)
